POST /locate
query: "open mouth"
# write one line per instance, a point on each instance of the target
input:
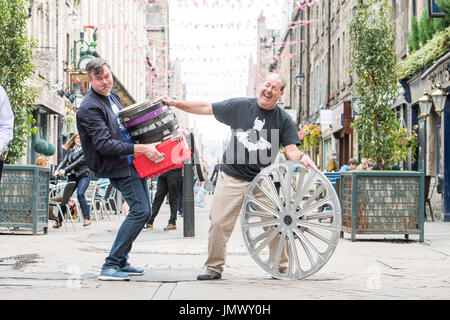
(267, 96)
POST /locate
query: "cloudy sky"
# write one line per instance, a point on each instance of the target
(213, 40)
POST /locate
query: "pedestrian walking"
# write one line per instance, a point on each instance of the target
(108, 149)
(167, 184)
(259, 127)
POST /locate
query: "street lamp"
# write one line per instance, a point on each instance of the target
(299, 78)
(86, 51)
(425, 104)
(439, 97)
(30, 8)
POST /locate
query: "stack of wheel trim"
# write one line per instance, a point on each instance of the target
(147, 122)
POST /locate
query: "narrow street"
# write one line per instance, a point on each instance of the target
(62, 264)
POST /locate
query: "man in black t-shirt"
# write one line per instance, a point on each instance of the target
(259, 129)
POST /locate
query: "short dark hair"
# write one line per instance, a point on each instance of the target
(95, 66)
(353, 161)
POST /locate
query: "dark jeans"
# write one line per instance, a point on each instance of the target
(135, 192)
(180, 195)
(168, 182)
(81, 185)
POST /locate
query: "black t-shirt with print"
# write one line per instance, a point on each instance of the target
(257, 135)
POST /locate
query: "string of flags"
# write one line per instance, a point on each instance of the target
(152, 48)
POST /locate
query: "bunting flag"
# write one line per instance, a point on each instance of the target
(213, 42)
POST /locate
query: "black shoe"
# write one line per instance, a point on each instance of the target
(209, 275)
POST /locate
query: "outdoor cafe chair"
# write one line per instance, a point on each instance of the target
(66, 189)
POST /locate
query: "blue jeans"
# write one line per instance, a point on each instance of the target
(135, 191)
(81, 185)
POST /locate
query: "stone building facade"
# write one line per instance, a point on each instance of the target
(315, 44)
(265, 55)
(52, 24)
(71, 32)
(163, 75)
(121, 40)
(317, 41)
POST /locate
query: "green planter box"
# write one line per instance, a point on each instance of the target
(382, 202)
(24, 193)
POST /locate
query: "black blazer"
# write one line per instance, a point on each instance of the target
(103, 147)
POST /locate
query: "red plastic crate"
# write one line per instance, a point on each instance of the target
(175, 151)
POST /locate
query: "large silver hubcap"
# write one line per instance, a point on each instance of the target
(291, 233)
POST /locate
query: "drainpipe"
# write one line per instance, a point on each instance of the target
(329, 54)
(307, 75)
(300, 70)
(59, 151)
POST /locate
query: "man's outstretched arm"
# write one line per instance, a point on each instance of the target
(194, 107)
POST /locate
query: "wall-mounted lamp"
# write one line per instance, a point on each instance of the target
(72, 98)
(66, 93)
(425, 104)
(436, 98)
(439, 97)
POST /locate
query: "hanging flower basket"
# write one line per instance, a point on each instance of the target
(310, 135)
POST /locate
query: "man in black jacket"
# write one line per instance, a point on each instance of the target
(108, 149)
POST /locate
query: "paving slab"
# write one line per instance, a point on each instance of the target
(65, 265)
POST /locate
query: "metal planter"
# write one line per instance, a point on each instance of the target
(24, 195)
(382, 202)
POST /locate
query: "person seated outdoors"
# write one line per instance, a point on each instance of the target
(331, 167)
(366, 164)
(352, 164)
(75, 166)
(394, 167)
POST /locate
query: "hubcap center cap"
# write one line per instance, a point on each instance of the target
(287, 220)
